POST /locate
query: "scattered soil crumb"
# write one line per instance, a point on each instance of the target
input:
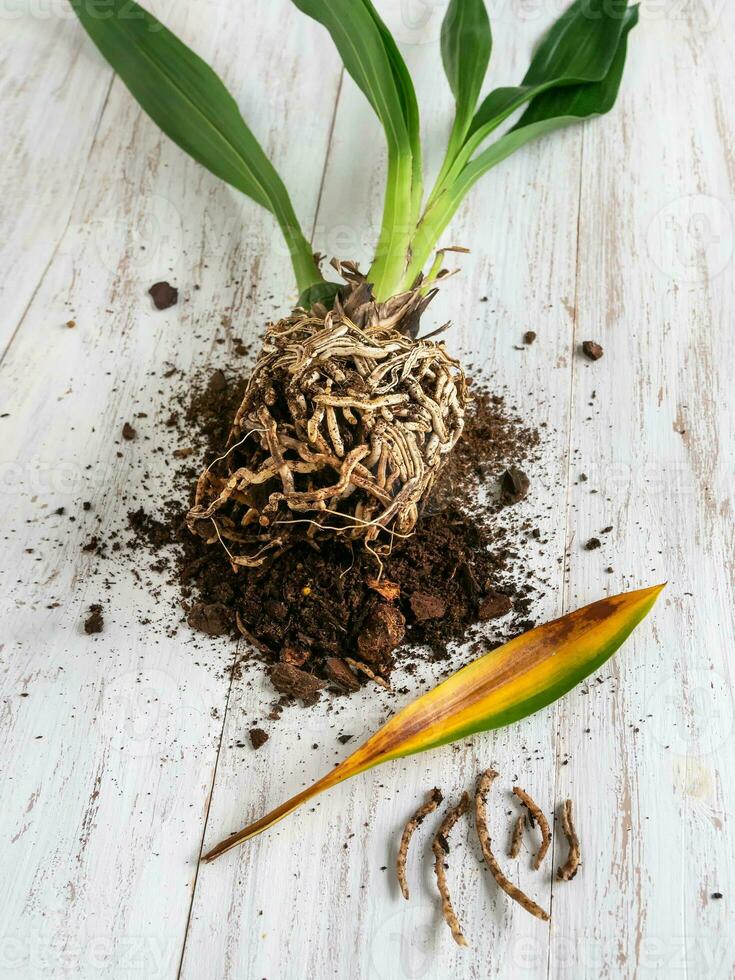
(426, 606)
(164, 295)
(258, 737)
(494, 605)
(515, 484)
(338, 671)
(296, 683)
(592, 350)
(383, 628)
(213, 618)
(95, 621)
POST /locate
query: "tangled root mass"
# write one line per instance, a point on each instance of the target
(345, 424)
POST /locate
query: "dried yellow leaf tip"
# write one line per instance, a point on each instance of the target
(498, 689)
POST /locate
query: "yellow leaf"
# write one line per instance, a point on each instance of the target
(510, 683)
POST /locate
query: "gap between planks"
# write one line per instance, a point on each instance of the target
(235, 661)
(566, 555)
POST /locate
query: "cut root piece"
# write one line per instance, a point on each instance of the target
(440, 848)
(362, 668)
(484, 782)
(517, 838)
(571, 866)
(433, 800)
(537, 815)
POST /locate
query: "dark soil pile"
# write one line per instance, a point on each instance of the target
(329, 616)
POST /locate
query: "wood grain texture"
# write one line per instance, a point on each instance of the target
(108, 761)
(652, 424)
(52, 90)
(622, 232)
(365, 929)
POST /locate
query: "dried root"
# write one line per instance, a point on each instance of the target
(537, 815)
(362, 668)
(484, 783)
(571, 866)
(433, 800)
(517, 838)
(440, 848)
(345, 424)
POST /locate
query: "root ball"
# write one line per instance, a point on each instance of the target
(345, 425)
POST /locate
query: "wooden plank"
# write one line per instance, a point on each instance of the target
(102, 815)
(317, 895)
(651, 764)
(52, 90)
(109, 758)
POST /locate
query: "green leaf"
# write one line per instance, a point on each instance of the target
(189, 102)
(354, 28)
(466, 43)
(579, 47)
(552, 109)
(371, 57)
(409, 103)
(574, 102)
(581, 44)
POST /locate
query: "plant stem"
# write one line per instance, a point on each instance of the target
(304, 265)
(441, 205)
(399, 224)
(454, 147)
(428, 231)
(458, 182)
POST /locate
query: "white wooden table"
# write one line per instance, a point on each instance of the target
(119, 760)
